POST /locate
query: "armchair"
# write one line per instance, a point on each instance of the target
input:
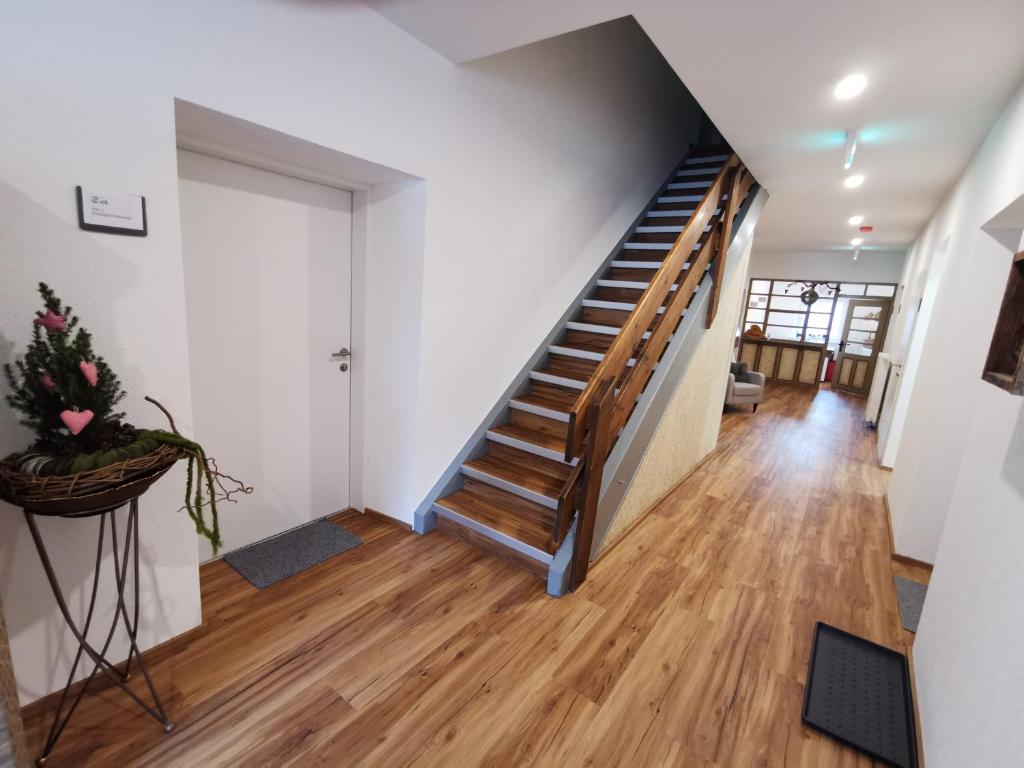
(744, 386)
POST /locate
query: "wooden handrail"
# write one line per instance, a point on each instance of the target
(617, 357)
(604, 406)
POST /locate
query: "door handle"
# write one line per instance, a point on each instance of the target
(341, 354)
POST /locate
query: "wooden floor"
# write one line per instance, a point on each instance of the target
(687, 646)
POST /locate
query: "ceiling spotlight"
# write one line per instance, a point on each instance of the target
(856, 241)
(855, 220)
(851, 149)
(856, 253)
(852, 182)
(850, 86)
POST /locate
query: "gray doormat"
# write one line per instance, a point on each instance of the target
(268, 562)
(910, 595)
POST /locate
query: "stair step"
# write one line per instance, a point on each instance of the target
(604, 317)
(633, 284)
(666, 199)
(641, 271)
(548, 400)
(626, 306)
(532, 477)
(689, 185)
(511, 515)
(685, 213)
(711, 169)
(529, 440)
(667, 229)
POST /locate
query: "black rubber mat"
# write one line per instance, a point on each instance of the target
(859, 693)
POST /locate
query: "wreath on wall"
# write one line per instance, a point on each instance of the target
(84, 450)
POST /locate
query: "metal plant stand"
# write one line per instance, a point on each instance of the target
(69, 702)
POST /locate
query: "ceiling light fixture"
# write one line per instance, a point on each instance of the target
(851, 149)
(856, 241)
(855, 220)
(850, 87)
(856, 253)
(852, 182)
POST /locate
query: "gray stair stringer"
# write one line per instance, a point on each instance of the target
(637, 435)
(425, 518)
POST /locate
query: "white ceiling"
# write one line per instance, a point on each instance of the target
(940, 72)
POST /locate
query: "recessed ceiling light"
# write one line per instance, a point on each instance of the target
(852, 182)
(850, 86)
(857, 241)
(855, 220)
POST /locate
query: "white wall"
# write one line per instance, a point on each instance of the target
(534, 163)
(870, 266)
(957, 491)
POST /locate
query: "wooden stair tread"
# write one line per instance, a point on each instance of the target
(586, 341)
(527, 435)
(550, 396)
(569, 367)
(521, 475)
(505, 512)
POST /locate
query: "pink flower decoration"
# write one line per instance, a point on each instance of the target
(51, 321)
(76, 421)
(89, 371)
(46, 380)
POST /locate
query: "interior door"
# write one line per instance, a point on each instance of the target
(862, 340)
(268, 291)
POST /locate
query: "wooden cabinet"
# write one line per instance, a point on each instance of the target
(783, 360)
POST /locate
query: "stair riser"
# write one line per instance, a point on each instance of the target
(706, 159)
(538, 410)
(528, 558)
(559, 380)
(511, 487)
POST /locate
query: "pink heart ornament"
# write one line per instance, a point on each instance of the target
(76, 421)
(46, 380)
(51, 321)
(89, 371)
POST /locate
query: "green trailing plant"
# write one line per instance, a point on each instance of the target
(67, 395)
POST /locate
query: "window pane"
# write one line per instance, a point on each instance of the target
(881, 290)
(782, 333)
(784, 318)
(755, 315)
(868, 311)
(788, 302)
(858, 349)
(864, 325)
(760, 286)
(760, 302)
(853, 289)
(816, 320)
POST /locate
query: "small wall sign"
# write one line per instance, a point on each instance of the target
(115, 214)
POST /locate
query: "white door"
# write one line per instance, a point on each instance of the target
(268, 291)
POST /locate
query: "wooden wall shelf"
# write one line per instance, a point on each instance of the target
(1005, 364)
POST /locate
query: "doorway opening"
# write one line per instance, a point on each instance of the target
(291, 323)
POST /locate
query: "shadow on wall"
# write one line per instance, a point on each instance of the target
(1013, 465)
(28, 603)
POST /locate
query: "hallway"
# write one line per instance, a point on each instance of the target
(687, 646)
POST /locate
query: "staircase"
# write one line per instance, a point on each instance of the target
(530, 482)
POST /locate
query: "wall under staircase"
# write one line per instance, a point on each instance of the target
(502, 490)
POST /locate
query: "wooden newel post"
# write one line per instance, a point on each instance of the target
(599, 418)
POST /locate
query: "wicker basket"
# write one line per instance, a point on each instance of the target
(62, 494)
